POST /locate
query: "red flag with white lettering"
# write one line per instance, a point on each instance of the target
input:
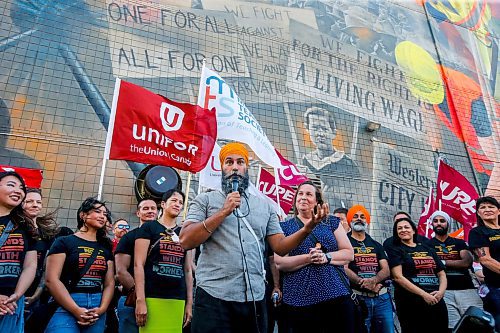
(152, 129)
(424, 224)
(32, 177)
(288, 173)
(267, 185)
(458, 196)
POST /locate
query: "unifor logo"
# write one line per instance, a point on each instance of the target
(171, 117)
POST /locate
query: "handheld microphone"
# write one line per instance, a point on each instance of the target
(235, 182)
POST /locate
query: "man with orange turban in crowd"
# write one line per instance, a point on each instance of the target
(231, 227)
(368, 272)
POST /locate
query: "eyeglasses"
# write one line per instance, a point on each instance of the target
(123, 226)
(444, 249)
(363, 247)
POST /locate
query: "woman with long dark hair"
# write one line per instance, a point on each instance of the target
(420, 281)
(315, 291)
(80, 273)
(46, 230)
(17, 253)
(484, 240)
(163, 272)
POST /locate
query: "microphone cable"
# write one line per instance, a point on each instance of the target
(245, 264)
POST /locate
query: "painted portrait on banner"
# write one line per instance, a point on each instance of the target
(326, 146)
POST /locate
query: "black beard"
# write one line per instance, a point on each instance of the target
(440, 231)
(227, 184)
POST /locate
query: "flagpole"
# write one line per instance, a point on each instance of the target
(277, 181)
(259, 171)
(188, 185)
(109, 137)
(101, 179)
(427, 222)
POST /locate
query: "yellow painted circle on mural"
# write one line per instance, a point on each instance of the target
(421, 71)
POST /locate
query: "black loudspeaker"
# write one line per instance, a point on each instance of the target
(475, 320)
(154, 180)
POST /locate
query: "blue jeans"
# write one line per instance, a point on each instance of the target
(126, 317)
(380, 316)
(64, 322)
(14, 323)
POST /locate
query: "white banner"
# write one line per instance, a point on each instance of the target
(210, 176)
(234, 120)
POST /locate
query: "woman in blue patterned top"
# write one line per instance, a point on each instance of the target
(313, 292)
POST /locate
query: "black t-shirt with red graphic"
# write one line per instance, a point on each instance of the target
(367, 255)
(42, 247)
(164, 268)
(483, 236)
(458, 279)
(77, 252)
(420, 265)
(12, 256)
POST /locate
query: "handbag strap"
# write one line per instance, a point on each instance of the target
(6, 232)
(154, 244)
(81, 273)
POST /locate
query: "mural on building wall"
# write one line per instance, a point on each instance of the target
(314, 73)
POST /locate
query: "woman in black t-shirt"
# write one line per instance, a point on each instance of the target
(83, 299)
(164, 303)
(420, 282)
(484, 240)
(17, 254)
(46, 230)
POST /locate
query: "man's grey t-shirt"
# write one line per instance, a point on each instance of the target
(220, 269)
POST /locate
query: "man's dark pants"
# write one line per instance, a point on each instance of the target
(213, 315)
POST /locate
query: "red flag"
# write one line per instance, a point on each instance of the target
(424, 225)
(267, 185)
(289, 174)
(152, 129)
(457, 196)
(32, 177)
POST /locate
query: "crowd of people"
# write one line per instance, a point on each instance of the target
(233, 266)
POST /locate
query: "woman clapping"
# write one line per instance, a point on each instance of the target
(314, 292)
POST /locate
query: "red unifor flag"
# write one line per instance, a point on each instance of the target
(32, 177)
(152, 129)
(267, 185)
(288, 173)
(458, 196)
(424, 224)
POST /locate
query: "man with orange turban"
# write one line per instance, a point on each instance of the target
(231, 227)
(368, 272)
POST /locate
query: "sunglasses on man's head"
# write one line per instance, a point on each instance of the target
(123, 226)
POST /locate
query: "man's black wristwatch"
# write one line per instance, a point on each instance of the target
(328, 257)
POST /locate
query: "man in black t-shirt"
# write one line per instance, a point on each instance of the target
(147, 210)
(368, 272)
(455, 256)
